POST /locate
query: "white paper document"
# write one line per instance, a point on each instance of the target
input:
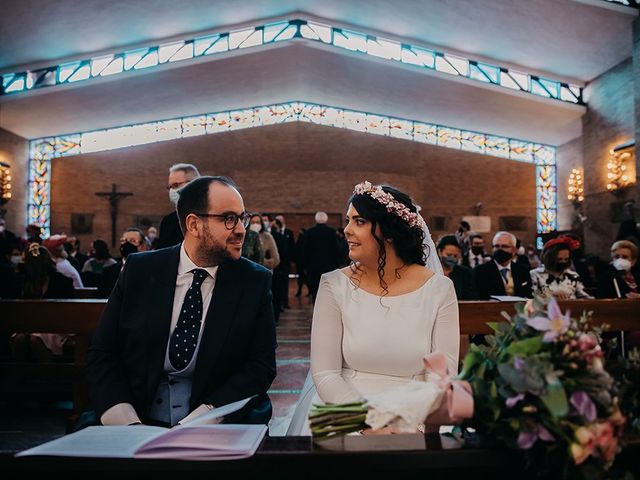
(508, 298)
(193, 441)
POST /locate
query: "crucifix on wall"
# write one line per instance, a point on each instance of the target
(114, 197)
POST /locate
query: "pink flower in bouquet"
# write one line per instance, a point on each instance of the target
(585, 446)
(609, 452)
(554, 324)
(603, 432)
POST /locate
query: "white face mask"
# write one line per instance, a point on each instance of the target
(622, 264)
(173, 195)
(16, 259)
(1, 228)
(256, 227)
(266, 225)
(521, 251)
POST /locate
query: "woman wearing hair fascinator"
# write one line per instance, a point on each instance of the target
(375, 320)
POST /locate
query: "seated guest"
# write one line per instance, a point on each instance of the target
(461, 276)
(476, 255)
(555, 276)
(618, 280)
(502, 276)
(75, 257)
(131, 241)
(532, 256)
(55, 245)
(42, 280)
(100, 258)
(188, 328)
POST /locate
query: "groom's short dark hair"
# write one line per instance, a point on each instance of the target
(194, 197)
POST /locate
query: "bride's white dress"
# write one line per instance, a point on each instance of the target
(362, 343)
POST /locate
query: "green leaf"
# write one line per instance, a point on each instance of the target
(555, 399)
(526, 347)
(470, 361)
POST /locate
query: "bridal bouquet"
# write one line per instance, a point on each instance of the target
(405, 409)
(540, 386)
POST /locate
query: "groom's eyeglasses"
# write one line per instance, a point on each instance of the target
(230, 219)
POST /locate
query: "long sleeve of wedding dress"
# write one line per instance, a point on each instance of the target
(326, 349)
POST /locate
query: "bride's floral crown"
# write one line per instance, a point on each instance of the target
(414, 219)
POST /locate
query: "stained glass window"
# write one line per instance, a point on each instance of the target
(44, 149)
(253, 36)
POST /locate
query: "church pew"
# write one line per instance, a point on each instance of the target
(79, 317)
(619, 314)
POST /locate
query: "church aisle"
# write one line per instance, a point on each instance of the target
(292, 359)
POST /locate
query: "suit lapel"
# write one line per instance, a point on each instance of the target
(158, 318)
(220, 317)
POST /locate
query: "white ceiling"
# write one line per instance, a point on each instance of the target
(560, 38)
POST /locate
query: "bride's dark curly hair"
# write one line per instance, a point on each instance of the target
(407, 241)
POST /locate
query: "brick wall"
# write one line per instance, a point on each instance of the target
(13, 150)
(296, 169)
(610, 120)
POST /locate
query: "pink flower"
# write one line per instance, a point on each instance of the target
(556, 323)
(603, 432)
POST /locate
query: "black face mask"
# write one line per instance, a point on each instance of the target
(562, 266)
(501, 256)
(449, 262)
(127, 249)
(477, 250)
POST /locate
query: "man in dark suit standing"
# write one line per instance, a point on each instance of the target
(179, 175)
(502, 276)
(320, 251)
(188, 328)
(286, 256)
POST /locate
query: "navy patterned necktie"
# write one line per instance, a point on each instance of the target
(505, 274)
(185, 336)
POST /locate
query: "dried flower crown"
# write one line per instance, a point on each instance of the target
(414, 219)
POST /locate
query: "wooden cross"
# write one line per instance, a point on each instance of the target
(114, 197)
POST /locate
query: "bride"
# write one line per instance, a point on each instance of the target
(375, 320)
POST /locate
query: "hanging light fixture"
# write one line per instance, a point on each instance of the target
(5, 183)
(618, 175)
(576, 186)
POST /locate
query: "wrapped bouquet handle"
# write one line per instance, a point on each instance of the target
(457, 403)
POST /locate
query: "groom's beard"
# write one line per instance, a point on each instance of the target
(211, 252)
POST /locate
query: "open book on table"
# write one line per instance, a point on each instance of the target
(195, 440)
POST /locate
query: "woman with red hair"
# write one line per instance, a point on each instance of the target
(555, 276)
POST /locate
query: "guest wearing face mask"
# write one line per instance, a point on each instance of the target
(11, 271)
(179, 175)
(532, 255)
(7, 238)
(555, 277)
(152, 237)
(502, 276)
(618, 279)
(271, 258)
(252, 247)
(476, 255)
(462, 277)
(132, 240)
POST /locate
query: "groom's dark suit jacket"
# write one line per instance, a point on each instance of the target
(236, 357)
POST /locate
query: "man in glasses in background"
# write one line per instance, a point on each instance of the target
(502, 276)
(188, 328)
(179, 175)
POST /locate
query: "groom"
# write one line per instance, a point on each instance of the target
(188, 328)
